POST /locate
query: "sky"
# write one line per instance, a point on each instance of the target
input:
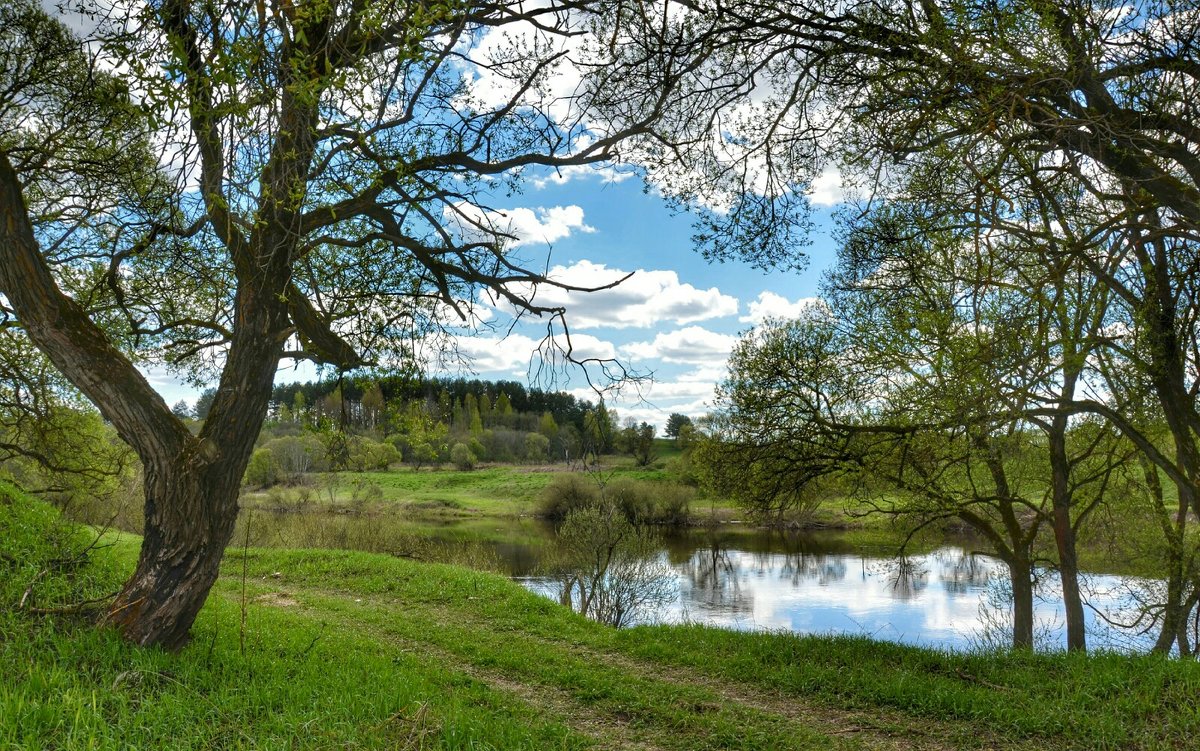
(677, 317)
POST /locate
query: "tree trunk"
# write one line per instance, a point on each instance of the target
(1064, 535)
(191, 496)
(1021, 575)
(190, 518)
(1172, 615)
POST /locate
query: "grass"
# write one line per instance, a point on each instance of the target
(491, 490)
(355, 650)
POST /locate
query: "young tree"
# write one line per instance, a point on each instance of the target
(675, 422)
(373, 405)
(341, 160)
(424, 437)
(641, 444)
(182, 410)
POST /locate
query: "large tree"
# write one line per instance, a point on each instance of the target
(215, 186)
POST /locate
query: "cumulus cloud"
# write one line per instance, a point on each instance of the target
(513, 354)
(607, 173)
(645, 299)
(522, 226)
(771, 305)
(692, 345)
(680, 390)
(588, 347)
(487, 354)
(827, 189)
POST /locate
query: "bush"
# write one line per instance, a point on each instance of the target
(362, 492)
(683, 470)
(537, 447)
(567, 493)
(298, 455)
(366, 454)
(478, 449)
(263, 469)
(609, 569)
(651, 502)
(673, 505)
(462, 457)
(633, 498)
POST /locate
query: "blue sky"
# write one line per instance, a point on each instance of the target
(676, 317)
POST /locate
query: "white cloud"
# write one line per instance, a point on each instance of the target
(522, 226)
(488, 354)
(513, 354)
(692, 345)
(680, 390)
(645, 299)
(827, 188)
(588, 347)
(771, 305)
(607, 173)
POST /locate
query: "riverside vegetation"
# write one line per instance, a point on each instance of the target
(437, 656)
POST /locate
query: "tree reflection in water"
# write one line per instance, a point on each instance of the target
(800, 566)
(907, 578)
(712, 582)
(963, 572)
(950, 596)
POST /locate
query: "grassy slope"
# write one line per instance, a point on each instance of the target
(351, 650)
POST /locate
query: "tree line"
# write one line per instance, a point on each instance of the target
(364, 423)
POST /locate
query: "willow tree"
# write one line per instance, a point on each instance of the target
(274, 180)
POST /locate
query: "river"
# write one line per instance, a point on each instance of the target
(951, 597)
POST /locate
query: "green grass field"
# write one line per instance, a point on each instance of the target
(491, 489)
(354, 650)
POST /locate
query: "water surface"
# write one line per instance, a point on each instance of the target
(952, 597)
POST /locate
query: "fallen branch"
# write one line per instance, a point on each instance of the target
(74, 607)
(29, 589)
(987, 684)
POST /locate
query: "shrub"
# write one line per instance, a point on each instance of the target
(651, 502)
(609, 569)
(567, 493)
(263, 469)
(297, 455)
(462, 457)
(683, 470)
(362, 492)
(366, 454)
(478, 449)
(537, 447)
(633, 498)
(673, 504)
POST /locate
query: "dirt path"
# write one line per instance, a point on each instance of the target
(882, 729)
